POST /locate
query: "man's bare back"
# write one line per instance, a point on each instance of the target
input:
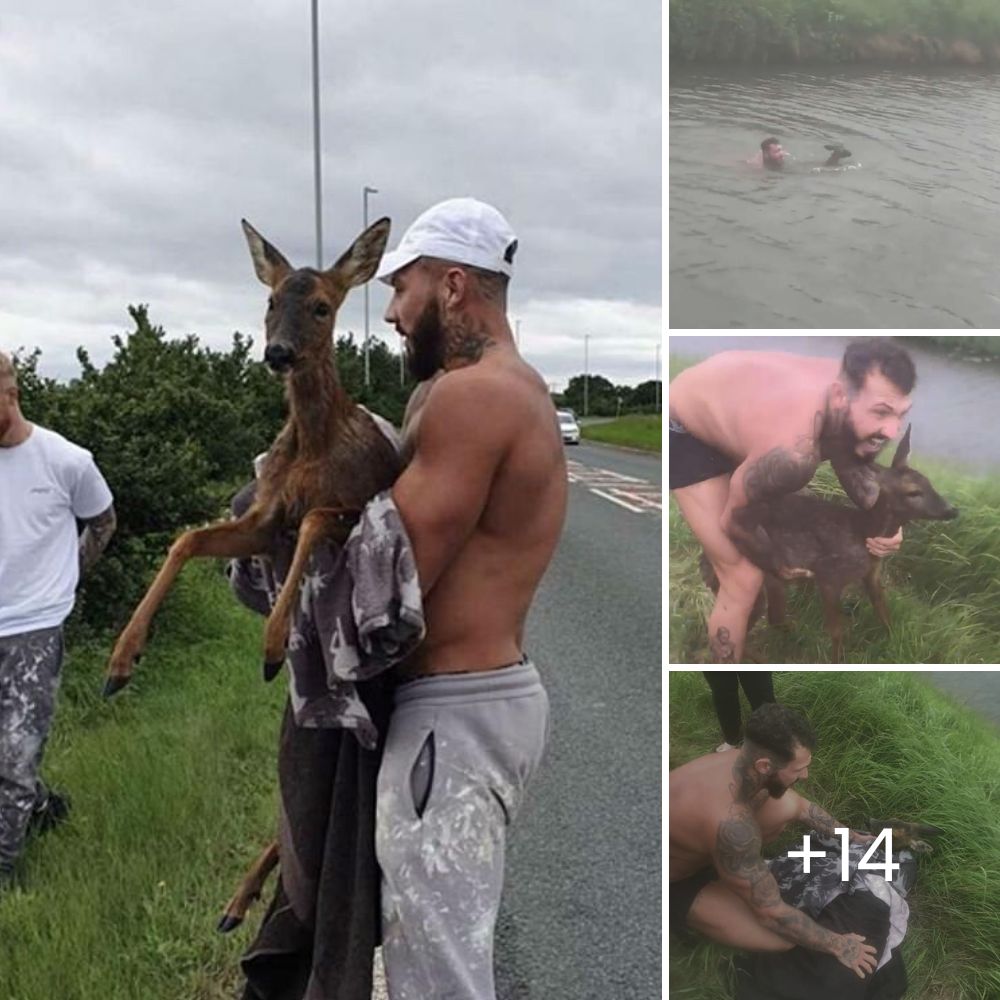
(499, 408)
(699, 802)
(739, 400)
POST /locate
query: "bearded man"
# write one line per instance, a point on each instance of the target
(723, 807)
(747, 427)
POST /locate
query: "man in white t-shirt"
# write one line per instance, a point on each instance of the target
(47, 485)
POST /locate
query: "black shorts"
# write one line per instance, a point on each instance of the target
(682, 895)
(692, 461)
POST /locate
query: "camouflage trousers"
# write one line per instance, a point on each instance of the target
(29, 679)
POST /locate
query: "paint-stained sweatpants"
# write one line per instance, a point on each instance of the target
(460, 751)
(29, 679)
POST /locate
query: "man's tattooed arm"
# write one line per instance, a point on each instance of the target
(822, 822)
(739, 863)
(94, 538)
(758, 481)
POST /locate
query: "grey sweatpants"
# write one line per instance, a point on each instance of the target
(460, 751)
(29, 679)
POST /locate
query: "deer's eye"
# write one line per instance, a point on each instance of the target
(321, 310)
(270, 303)
(914, 493)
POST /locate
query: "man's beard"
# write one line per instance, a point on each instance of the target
(851, 440)
(775, 787)
(425, 346)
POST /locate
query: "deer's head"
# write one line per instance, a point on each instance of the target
(303, 303)
(910, 494)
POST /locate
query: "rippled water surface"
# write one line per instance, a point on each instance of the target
(909, 239)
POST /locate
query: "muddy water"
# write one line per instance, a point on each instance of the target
(956, 404)
(909, 239)
(978, 691)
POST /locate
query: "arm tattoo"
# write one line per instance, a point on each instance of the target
(820, 820)
(780, 471)
(94, 538)
(737, 855)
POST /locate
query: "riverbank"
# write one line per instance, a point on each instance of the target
(889, 745)
(832, 32)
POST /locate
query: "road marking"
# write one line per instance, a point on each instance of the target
(636, 495)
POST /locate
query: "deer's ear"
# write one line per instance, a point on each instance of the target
(268, 261)
(902, 450)
(358, 264)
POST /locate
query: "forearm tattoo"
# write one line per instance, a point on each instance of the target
(737, 855)
(820, 820)
(96, 534)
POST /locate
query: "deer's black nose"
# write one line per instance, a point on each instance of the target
(279, 358)
(951, 514)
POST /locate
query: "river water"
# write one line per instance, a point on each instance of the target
(909, 239)
(956, 403)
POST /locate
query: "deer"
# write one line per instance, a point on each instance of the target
(327, 461)
(825, 542)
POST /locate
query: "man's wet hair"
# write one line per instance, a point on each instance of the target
(769, 141)
(778, 730)
(885, 355)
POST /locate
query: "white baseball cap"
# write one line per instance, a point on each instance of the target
(462, 230)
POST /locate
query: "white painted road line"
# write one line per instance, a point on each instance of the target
(629, 492)
(621, 503)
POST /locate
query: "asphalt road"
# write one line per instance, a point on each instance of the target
(580, 918)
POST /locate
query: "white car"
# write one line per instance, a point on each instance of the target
(568, 427)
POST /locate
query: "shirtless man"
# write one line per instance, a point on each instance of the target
(723, 807)
(747, 427)
(483, 499)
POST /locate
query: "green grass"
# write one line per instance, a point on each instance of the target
(643, 431)
(889, 745)
(173, 786)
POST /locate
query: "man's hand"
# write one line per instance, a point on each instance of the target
(852, 952)
(883, 547)
(856, 837)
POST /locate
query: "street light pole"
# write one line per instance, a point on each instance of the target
(364, 199)
(586, 374)
(517, 333)
(316, 143)
(657, 384)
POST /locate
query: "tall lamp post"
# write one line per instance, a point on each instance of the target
(316, 144)
(586, 374)
(364, 200)
(657, 384)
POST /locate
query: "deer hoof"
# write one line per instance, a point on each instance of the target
(272, 668)
(113, 685)
(228, 923)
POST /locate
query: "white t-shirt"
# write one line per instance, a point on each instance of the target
(46, 482)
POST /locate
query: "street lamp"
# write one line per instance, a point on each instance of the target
(316, 144)
(657, 383)
(364, 200)
(586, 374)
(517, 333)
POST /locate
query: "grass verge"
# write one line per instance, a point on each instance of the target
(889, 745)
(644, 431)
(174, 792)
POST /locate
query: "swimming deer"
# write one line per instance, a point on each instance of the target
(825, 541)
(329, 459)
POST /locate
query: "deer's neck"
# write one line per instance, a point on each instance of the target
(317, 406)
(881, 521)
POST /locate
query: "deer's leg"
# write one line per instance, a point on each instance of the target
(775, 590)
(317, 524)
(873, 585)
(249, 889)
(246, 536)
(834, 619)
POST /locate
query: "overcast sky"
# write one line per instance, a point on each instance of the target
(134, 138)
